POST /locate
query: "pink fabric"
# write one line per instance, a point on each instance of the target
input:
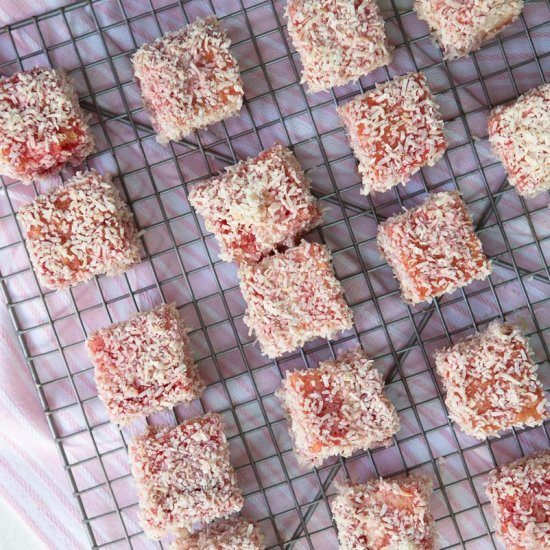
(31, 476)
(32, 479)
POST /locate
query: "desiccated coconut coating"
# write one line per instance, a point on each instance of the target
(338, 408)
(520, 496)
(42, 126)
(394, 130)
(235, 533)
(144, 364)
(520, 135)
(492, 382)
(189, 79)
(293, 298)
(385, 515)
(79, 230)
(183, 475)
(257, 205)
(432, 248)
(461, 26)
(338, 40)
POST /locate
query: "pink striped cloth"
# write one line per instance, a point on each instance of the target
(32, 479)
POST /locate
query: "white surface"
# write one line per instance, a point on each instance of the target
(15, 535)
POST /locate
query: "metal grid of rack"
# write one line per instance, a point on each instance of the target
(93, 41)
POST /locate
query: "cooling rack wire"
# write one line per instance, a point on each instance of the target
(93, 41)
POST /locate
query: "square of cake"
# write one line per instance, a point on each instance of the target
(519, 134)
(492, 382)
(394, 130)
(292, 298)
(337, 408)
(42, 126)
(144, 364)
(461, 27)
(432, 248)
(183, 476)
(235, 533)
(338, 40)
(258, 205)
(188, 79)
(79, 230)
(384, 514)
(520, 496)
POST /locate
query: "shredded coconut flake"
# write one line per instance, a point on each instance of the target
(258, 205)
(188, 79)
(234, 534)
(520, 135)
(492, 382)
(432, 248)
(338, 408)
(79, 230)
(183, 476)
(461, 26)
(144, 364)
(338, 40)
(520, 495)
(385, 514)
(293, 298)
(394, 130)
(42, 126)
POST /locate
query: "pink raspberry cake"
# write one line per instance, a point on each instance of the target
(394, 130)
(183, 476)
(492, 382)
(144, 364)
(258, 205)
(520, 496)
(433, 249)
(385, 514)
(518, 134)
(461, 26)
(338, 40)
(189, 79)
(235, 533)
(292, 298)
(337, 408)
(42, 126)
(79, 230)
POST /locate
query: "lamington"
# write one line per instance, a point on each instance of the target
(461, 27)
(492, 382)
(337, 408)
(42, 126)
(394, 130)
(144, 364)
(236, 533)
(385, 514)
(183, 476)
(79, 230)
(188, 79)
(520, 496)
(519, 134)
(432, 248)
(338, 40)
(292, 298)
(257, 206)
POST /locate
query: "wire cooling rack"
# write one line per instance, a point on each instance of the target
(93, 41)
